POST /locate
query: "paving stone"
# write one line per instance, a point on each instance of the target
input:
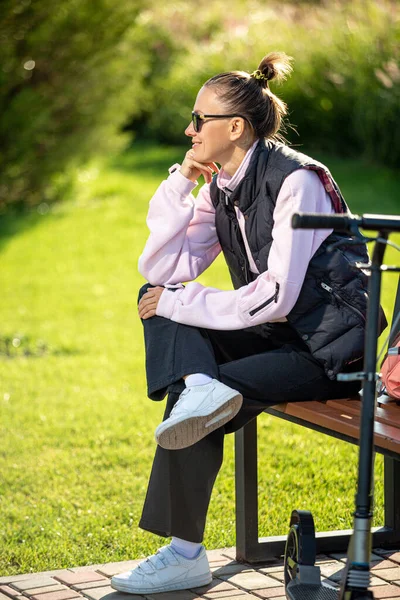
(390, 574)
(333, 571)
(386, 591)
(229, 552)
(6, 589)
(4, 597)
(216, 567)
(376, 581)
(34, 582)
(79, 587)
(250, 580)
(341, 556)
(66, 594)
(278, 575)
(70, 578)
(44, 590)
(376, 557)
(274, 592)
(394, 556)
(382, 551)
(22, 577)
(221, 553)
(217, 585)
(235, 593)
(118, 567)
(231, 569)
(6, 579)
(322, 558)
(274, 569)
(250, 596)
(179, 595)
(107, 592)
(272, 562)
(383, 564)
(224, 560)
(330, 583)
(87, 568)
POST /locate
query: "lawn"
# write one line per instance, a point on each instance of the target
(76, 426)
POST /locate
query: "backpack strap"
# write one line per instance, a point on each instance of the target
(396, 323)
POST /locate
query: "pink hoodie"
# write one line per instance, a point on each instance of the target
(183, 243)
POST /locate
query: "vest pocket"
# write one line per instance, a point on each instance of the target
(273, 298)
(340, 300)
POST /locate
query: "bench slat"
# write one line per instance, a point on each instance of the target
(383, 414)
(335, 416)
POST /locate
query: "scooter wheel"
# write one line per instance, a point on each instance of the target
(300, 544)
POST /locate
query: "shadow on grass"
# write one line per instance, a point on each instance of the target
(18, 220)
(148, 158)
(145, 158)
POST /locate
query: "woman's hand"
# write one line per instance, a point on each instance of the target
(191, 169)
(148, 303)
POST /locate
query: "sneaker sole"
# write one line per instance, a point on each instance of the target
(187, 432)
(193, 582)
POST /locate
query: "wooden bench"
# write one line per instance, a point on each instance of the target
(337, 418)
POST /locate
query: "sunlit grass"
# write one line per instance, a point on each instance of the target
(76, 426)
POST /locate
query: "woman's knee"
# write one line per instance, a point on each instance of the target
(143, 290)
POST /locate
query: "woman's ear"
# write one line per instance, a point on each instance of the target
(237, 127)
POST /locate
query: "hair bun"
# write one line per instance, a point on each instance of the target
(269, 71)
(275, 65)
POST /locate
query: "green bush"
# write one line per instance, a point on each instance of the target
(76, 78)
(344, 93)
(69, 78)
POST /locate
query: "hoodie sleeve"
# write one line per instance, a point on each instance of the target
(183, 241)
(273, 294)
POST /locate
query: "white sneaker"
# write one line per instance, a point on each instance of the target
(165, 571)
(200, 410)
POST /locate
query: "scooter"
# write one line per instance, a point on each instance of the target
(302, 576)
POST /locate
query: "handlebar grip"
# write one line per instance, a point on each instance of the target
(321, 221)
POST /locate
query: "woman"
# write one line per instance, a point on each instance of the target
(294, 320)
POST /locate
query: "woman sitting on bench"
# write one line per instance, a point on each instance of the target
(294, 320)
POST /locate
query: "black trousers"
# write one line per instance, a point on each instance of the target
(265, 371)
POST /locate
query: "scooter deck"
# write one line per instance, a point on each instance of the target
(311, 592)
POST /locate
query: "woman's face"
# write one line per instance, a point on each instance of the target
(213, 143)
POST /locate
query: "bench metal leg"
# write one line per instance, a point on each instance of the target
(251, 549)
(392, 495)
(246, 491)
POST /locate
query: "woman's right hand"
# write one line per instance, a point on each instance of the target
(192, 169)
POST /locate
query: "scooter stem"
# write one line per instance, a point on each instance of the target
(359, 552)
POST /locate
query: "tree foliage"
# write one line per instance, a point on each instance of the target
(68, 77)
(344, 94)
(77, 77)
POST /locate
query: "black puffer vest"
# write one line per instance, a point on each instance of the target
(329, 315)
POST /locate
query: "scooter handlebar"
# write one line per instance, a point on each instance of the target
(346, 222)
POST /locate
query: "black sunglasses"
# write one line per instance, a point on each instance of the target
(198, 120)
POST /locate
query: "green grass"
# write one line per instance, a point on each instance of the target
(76, 425)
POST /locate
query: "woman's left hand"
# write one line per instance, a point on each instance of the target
(148, 303)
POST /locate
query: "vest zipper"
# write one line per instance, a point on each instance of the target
(233, 218)
(274, 298)
(339, 298)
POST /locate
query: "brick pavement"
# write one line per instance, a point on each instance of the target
(230, 580)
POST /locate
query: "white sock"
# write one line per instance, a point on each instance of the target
(197, 379)
(184, 548)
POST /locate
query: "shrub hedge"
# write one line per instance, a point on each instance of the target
(75, 77)
(344, 94)
(68, 76)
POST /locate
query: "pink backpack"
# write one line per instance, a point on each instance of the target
(390, 369)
